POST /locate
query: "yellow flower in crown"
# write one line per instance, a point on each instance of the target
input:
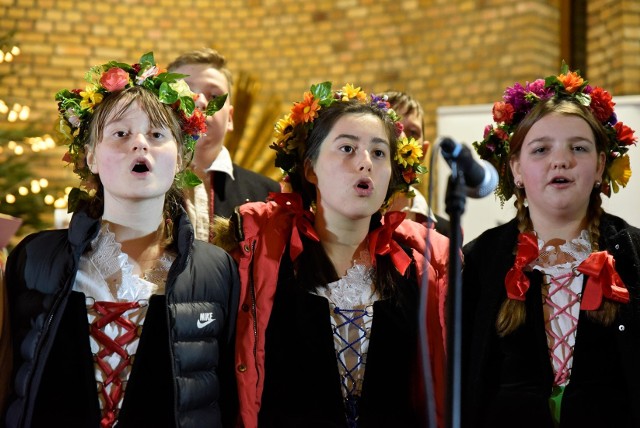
(409, 152)
(292, 131)
(76, 108)
(619, 172)
(350, 92)
(283, 128)
(519, 100)
(90, 97)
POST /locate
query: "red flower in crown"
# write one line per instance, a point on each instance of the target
(114, 79)
(601, 104)
(625, 134)
(196, 124)
(503, 112)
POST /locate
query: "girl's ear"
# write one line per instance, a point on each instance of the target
(602, 162)
(514, 164)
(309, 173)
(91, 159)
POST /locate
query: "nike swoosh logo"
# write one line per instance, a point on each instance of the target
(201, 324)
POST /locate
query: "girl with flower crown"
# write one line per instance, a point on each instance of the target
(551, 300)
(328, 318)
(123, 319)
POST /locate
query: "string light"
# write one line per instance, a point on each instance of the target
(13, 111)
(8, 51)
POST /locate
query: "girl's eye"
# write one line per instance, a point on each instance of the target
(379, 153)
(157, 135)
(347, 149)
(120, 134)
(580, 149)
(539, 150)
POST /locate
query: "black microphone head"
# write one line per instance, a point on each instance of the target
(447, 145)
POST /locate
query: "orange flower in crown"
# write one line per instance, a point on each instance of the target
(306, 110)
(292, 130)
(518, 101)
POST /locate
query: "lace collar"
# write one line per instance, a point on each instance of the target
(106, 274)
(355, 289)
(562, 256)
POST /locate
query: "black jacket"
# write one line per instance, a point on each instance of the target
(507, 381)
(247, 186)
(177, 378)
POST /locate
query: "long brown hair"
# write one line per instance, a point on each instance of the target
(313, 267)
(512, 312)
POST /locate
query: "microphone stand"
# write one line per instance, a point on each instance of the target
(455, 203)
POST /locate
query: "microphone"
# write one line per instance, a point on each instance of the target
(481, 178)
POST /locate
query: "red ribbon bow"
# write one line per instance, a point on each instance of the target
(516, 281)
(302, 220)
(381, 242)
(603, 281)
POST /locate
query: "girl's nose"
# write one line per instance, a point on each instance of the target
(140, 143)
(561, 162)
(365, 163)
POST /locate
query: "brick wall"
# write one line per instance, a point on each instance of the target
(444, 52)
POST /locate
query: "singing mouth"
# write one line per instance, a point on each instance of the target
(364, 187)
(560, 180)
(140, 166)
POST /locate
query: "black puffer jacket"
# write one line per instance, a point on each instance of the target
(178, 376)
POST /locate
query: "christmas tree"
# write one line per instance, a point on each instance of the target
(24, 193)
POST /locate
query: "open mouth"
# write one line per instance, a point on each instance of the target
(559, 180)
(140, 167)
(364, 187)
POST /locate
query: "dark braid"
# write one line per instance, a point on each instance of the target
(522, 211)
(513, 312)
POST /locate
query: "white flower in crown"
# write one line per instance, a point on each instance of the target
(150, 72)
(182, 88)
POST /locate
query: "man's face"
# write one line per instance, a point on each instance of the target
(208, 83)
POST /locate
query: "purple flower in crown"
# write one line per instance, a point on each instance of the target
(380, 102)
(538, 88)
(514, 95)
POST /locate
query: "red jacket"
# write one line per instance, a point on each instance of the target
(266, 229)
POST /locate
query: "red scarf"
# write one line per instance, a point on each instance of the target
(380, 240)
(302, 221)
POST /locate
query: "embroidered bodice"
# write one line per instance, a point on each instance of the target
(562, 290)
(117, 303)
(351, 300)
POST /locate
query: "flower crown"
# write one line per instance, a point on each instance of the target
(292, 130)
(77, 106)
(518, 102)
